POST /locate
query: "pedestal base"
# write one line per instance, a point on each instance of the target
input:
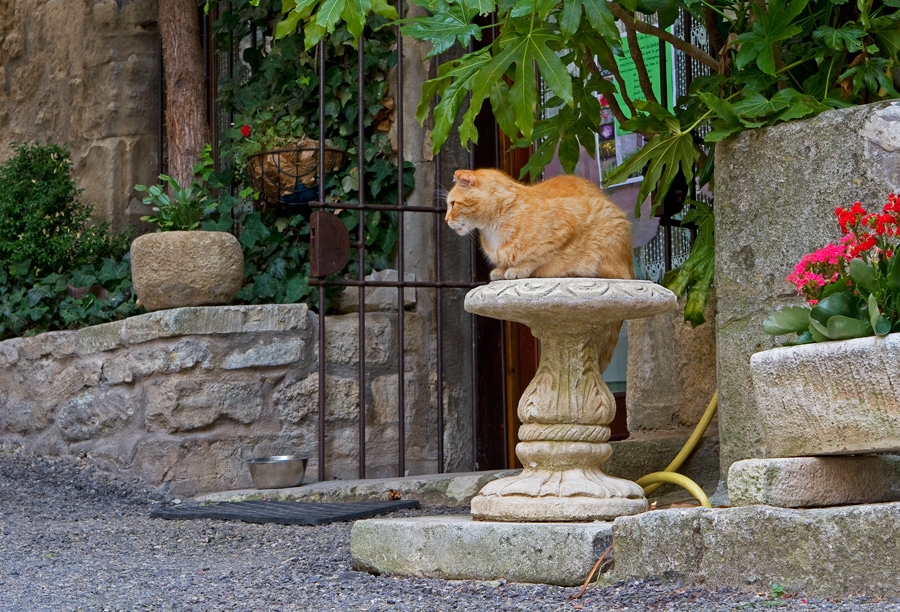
(512, 508)
(567, 495)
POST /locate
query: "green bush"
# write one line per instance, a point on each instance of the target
(56, 270)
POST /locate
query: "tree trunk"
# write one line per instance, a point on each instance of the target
(186, 129)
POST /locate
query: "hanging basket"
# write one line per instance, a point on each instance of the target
(289, 178)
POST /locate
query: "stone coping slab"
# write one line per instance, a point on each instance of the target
(458, 548)
(827, 552)
(455, 489)
(803, 482)
(198, 320)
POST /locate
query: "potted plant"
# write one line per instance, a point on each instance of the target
(181, 265)
(834, 389)
(280, 161)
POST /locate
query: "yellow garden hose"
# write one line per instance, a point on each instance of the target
(651, 482)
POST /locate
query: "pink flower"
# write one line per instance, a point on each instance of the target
(245, 131)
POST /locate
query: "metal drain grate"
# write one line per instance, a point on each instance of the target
(285, 513)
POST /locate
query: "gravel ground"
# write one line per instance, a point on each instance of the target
(73, 538)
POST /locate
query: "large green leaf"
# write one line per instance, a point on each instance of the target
(601, 19)
(570, 18)
(863, 275)
(833, 305)
(844, 328)
(663, 156)
(451, 23)
(772, 25)
(849, 37)
(788, 320)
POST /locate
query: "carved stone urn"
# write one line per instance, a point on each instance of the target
(567, 408)
(179, 269)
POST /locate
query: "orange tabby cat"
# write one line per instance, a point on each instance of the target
(562, 227)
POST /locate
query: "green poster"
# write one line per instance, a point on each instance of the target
(650, 49)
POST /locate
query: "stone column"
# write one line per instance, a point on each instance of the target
(567, 408)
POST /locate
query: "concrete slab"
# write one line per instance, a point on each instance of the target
(804, 482)
(456, 489)
(458, 548)
(824, 552)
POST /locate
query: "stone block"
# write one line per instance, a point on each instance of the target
(182, 355)
(457, 548)
(56, 344)
(99, 338)
(378, 298)
(297, 401)
(181, 405)
(93, 414)
(267, 355)
(117, 371)
(386, 397)
(671, 371)
(825, 552)
(9, 351)
(642, 553)
(275, 318)
(802, 482)
(206, 320)
(342, 339)
(450, 489)
(829, 397)
(766, 180)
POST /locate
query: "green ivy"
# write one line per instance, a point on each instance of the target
(55, 271)
(276, 93)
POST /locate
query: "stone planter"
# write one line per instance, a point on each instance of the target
(178, 269)
(829, 398)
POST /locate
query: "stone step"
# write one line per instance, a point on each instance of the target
(824, 552)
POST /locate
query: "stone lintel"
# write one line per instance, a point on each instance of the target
(458, 548)
(804, 482)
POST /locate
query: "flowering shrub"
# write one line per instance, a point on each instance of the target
(852, 288)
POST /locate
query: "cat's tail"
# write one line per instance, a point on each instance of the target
(607, 340)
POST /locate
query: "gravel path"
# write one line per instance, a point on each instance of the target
(76, 539)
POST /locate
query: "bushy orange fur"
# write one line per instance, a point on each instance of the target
(562, 227)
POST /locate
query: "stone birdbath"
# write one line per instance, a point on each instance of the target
(567, 408)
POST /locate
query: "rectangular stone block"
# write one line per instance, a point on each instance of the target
(825, 552)
(829, 398)
(458, 548)
(803, 482)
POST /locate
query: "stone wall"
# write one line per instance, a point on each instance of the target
(85, 73)
(776, 191)
(182, 398)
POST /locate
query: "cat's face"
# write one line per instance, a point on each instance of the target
(462, 202)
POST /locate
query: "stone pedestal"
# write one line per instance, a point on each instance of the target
(566, 410)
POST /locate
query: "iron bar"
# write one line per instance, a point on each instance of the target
(439, 303)
(377, 283)
(401, 353)
(385, 207)
(360, 127)
(361, 249)
(320, 48)
(505, 391)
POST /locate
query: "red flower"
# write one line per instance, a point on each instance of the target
(245, 130)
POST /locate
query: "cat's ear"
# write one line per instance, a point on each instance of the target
(465, 178)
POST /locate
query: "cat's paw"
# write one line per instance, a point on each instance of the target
(514, 273)
(497, 274)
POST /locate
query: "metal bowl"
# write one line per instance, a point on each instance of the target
(277, 472)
